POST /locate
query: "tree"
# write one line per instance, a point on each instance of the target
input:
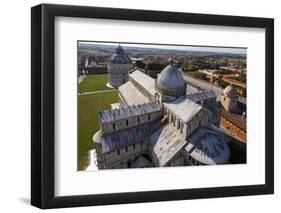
(140, 64)
(199, 75)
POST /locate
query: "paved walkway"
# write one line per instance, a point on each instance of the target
(93, 163)
(81, 78)
(93, 92)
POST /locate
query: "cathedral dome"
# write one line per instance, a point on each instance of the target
(120, 57)
(229, 91)
(171, 77)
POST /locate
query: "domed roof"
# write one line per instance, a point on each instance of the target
(120, 56)
(171, 77)
(229, 91)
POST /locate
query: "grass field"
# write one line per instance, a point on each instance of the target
(88, 124)
(95, 82)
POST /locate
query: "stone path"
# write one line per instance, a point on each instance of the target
(81, 78)
(93, 163)
(93, 92)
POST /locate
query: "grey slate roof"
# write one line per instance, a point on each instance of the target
(201, 95)
(144, 80)
(166, 142)
(183, 108)
(131, 94)
(126, 112)
(120, 139)
(206, 146)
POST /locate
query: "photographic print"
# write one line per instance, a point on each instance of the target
(116, 99)
(160, 105)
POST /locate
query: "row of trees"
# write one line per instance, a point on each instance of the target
(199, 75)
(200, 64)
(150, 66)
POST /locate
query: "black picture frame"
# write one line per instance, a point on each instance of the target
(43, 105)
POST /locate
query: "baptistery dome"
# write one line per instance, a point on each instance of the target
(120, 57)
(170, 81)
(118, 68)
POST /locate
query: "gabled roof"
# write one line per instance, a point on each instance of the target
(144, 80)
(131, 94)
(166, 143)
(201, 95)
(114, 141)
(126, 112)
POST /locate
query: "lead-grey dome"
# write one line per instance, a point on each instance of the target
(170, 82)
(171, 77)
(120, 57)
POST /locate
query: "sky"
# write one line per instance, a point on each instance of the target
(233, 50)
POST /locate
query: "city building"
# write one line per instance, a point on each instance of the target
(160, 122)
(118, 68)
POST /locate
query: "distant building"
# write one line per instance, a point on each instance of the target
(229, 99)
(119, 67)
(160, 123)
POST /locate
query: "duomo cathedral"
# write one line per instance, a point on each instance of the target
(158, 122)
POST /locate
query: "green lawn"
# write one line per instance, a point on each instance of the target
(94, 82)
(88, 124)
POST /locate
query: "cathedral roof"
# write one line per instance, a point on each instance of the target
(131, 95)
(171, 77)
(207, 146)
(184, 108)
(201, 95)
(166, 143)
(144, 81)
(120, 57)
(117, 140)
(126, 112)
